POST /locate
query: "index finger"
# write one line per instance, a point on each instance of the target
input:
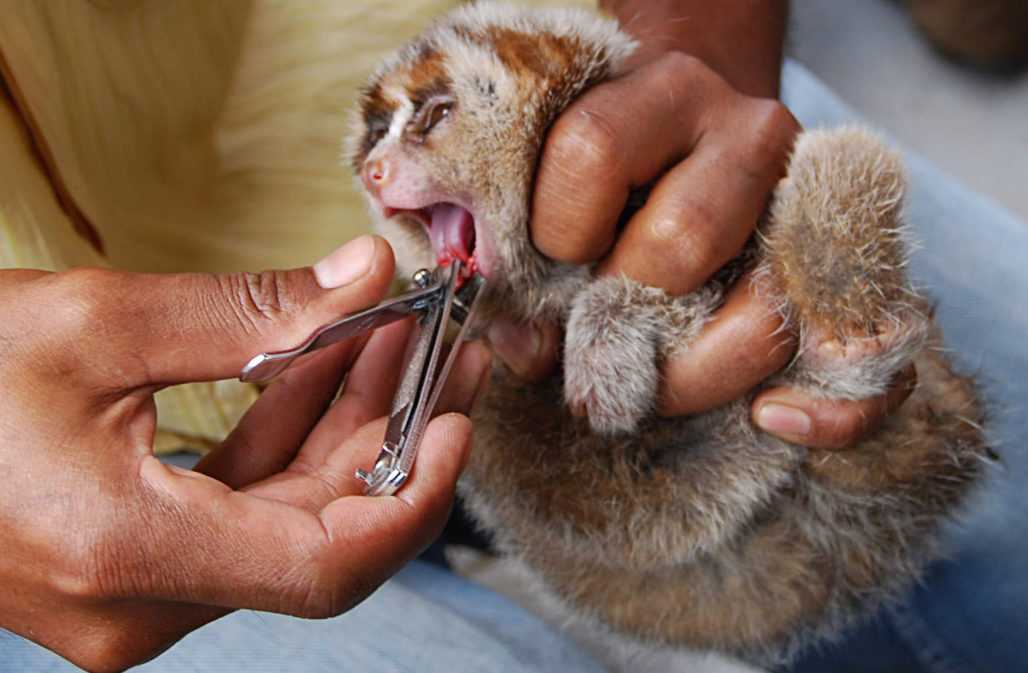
(743, 344)
(616, 137)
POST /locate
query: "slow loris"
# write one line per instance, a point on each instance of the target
(699, 532)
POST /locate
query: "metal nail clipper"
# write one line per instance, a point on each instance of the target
(438, 297)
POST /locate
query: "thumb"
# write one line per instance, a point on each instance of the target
(200, 327)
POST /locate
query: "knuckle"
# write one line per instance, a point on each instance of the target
(579, 179)
(695, 231)
(75, 585)
(78, 575)
(588, 141)
(88, 278)
(92, 320)
(258, 299)
(772, 129)
(85, 299)
(671, 228)
(844, 427)
(676, 69)
(708, 250)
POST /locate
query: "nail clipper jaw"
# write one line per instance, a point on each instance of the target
(465, 298)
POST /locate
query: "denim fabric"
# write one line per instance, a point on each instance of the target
(425, 620)
(969, 615)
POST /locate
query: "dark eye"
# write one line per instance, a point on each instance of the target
(436, 112)
(377, 129)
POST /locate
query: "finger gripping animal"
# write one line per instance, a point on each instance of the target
(700, 532)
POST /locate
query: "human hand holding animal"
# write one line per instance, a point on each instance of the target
(699, 531)
(109, 556)
(705, 129)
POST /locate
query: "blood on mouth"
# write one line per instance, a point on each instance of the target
(451, 229)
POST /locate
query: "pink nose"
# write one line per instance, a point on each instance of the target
(375, 175)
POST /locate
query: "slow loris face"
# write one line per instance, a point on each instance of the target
(448, 133)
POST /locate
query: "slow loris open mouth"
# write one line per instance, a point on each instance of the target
(450, 228)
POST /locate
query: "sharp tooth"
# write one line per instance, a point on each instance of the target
(436, 233)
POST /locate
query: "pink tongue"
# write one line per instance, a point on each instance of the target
(452, 232)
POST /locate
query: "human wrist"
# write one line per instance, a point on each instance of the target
(742, 40)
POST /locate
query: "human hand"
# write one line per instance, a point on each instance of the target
(679, 120)
(110, 556)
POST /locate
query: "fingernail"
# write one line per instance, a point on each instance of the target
(346, 264)
(779, 419)
(517, 344)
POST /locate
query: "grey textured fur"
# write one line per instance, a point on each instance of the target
(618, 332)
(699, 532)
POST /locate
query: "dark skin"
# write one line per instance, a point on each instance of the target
(139, 554)
(109, 556)
(696, 113)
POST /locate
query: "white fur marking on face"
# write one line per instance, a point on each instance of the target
(401, 117)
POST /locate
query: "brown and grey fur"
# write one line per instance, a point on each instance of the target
(698, 532)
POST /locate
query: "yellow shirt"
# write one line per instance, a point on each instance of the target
(186, 136)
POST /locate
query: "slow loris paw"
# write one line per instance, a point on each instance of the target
(835, 256)
(610, 353)
(857, 366)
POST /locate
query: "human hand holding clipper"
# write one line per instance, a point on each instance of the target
(133, 554)
(443, 294)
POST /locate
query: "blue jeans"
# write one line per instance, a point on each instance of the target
(969, 614)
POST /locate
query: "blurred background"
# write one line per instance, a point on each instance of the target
(967, 111)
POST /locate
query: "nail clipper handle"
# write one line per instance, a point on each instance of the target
(413, 402)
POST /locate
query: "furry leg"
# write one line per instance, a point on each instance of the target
(610, 354)
(835, 254)
(618, 334)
